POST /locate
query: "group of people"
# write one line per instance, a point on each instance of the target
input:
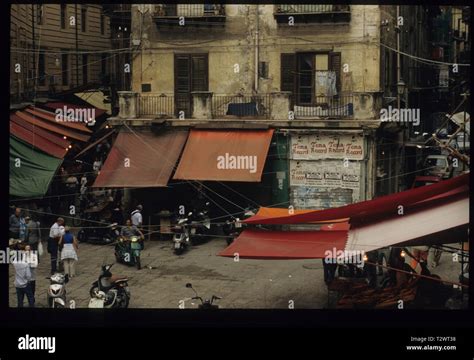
(62, 247)
(24, 229)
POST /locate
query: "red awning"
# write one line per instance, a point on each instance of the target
(424, 227)
(49, 116)
(224, 155)
(372, 210)
(54, 138)
(280, 245)
(54, 127)
(141, 159)
(37, 141)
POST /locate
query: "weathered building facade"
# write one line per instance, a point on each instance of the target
(57, 47)
(316, 74)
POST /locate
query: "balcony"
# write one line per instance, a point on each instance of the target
(352, 110)
(325, 107)
(170, 15)
(312, 13)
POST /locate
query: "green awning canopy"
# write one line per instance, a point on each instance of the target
(31, 170)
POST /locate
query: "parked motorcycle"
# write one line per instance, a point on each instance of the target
(206, 304)
(56, 295)
(104, 235)
(181, 239)
(234, 226)
(109, 291)
(199, 226)
(127, 251)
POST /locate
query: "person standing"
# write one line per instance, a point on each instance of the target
(69, 252)
(136, 216)
(33, 233)
(23, 279)
(15, 223)
(55, 234)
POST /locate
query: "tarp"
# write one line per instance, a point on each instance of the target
(440, 221)
(268, 213)
(141, 159)
(54, 138)
(51, 116)
(37, 141)
(371, 210)
(31, 170)
(423, 226)
(224, 155)
(55, 127)
(261, 244)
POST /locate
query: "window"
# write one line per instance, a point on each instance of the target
(65, 69)
(85, 69)
(312, 77)
(63, 16)
(102, 23)
(41, 70)
(191, 74)
(39, 14)
(83, 18)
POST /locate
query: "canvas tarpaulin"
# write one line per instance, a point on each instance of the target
(261, 244)
(371, 210)
(31, 170)
(141, 159)
(224, 155)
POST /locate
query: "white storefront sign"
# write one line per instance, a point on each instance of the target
(327, 146)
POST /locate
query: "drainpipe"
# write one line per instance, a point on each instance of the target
(256, 50)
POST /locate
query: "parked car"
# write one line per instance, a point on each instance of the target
(438, 165)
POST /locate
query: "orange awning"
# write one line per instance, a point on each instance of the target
(224, 155)
(265, 213)
(141, 159)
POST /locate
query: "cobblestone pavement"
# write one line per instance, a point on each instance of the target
(243, 284)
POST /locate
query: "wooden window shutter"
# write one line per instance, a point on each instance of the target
(287, 77)
(335, 65)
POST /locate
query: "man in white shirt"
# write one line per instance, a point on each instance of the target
(23, 278)
(137, 218)
(55, 233)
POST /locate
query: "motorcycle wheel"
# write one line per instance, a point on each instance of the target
(124, 301)
(179, 251)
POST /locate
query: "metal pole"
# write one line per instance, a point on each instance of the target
(77, 46)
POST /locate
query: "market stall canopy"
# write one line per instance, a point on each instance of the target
(443, 220)
(371, 210)
(50, 143)
(281, 245)
(264, 213)
(31, 171)
(141, 159)
(435, 223)
(52, 117)
(56, 127)
(224, 155)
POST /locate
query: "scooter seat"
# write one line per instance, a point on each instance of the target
(118, 278)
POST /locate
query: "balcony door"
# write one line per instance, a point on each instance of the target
(191, 74)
